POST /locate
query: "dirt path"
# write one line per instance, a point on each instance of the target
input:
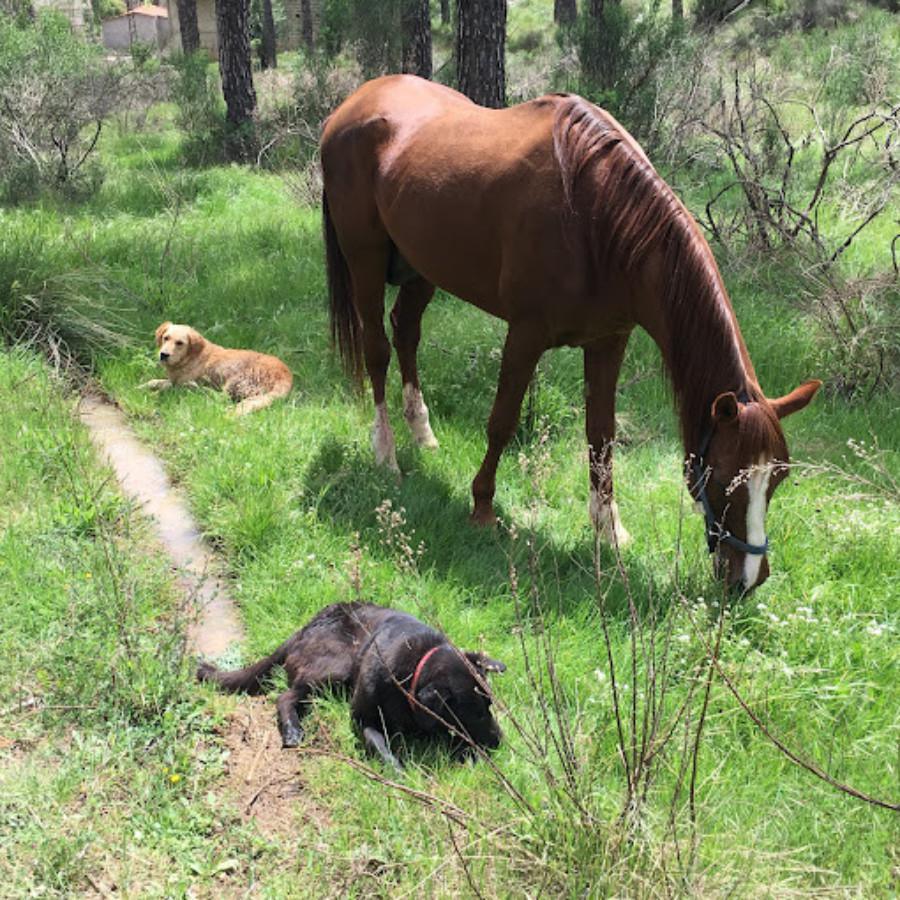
(143, 479)
(265, 782)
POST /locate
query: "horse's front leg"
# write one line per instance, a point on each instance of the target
(406, 320)
(602, 361)
(523, 348)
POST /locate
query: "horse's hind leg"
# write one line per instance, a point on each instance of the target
(406, 321)
(368, 295)
(524, 345)
(602, 361)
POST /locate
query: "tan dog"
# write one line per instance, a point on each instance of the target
(253, 379)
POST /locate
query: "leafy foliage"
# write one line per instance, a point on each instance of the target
(55, 94)
(619, 55)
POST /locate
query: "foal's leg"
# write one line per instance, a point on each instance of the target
(406, 319)
(602, 361)
(367, 272)
(523, 348)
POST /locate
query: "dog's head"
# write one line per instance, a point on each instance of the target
(177, 343)
(454, 692)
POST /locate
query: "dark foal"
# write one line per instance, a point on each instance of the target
(403, 677)
(550, 216)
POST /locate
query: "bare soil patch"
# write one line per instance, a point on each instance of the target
(266, 781)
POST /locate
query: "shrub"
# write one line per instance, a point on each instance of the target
(374, 29)
(67, 313)
(619, 60)
(55, 94)
(291, 115)
(201, 110)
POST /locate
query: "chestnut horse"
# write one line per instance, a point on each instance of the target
(549, 216)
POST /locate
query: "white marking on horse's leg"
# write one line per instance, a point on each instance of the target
(605, 518)
(757, 485)
(383, 439)
(416, 414)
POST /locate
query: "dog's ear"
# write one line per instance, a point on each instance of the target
(195, 342)
(161, 331)
(430, 697)
(483, 663)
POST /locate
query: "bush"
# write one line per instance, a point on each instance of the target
(201, 110)
(374, 29)
(69, 314)
(55, 94)
(619, 59)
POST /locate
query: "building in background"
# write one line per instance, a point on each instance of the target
(140, 25)
(290, 31)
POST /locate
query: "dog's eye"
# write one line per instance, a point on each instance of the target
(179, 343)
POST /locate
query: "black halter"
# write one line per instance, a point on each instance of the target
(716, 533)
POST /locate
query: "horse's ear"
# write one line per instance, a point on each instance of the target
(796, 399)
(725, 408)
(161, 331)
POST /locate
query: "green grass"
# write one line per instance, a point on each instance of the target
(288, 493)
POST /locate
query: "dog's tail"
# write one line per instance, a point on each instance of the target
(243, 681)
(346, 330)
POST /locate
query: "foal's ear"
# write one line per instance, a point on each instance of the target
(725, 408)
(796, 399)
(484, 663)
(161, 331)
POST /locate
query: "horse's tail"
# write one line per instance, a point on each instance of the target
(346, 330)
(243, 681)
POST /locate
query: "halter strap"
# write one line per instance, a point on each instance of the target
(411, 697)
(716, 533)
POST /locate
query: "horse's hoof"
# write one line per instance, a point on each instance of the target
(483, 518)
(429, 442)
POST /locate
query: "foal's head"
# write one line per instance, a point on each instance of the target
(743, 460)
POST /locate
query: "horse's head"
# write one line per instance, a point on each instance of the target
(743, 459)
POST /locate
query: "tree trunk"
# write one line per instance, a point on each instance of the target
(306, 25)
(445, 11)
(565, 12)
(480, 49)
(233, 27)
(677, 10)
(187, 23)
(269, 59)
(415, 25)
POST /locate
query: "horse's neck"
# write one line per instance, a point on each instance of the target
(703, 350)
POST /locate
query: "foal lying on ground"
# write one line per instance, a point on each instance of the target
(402, 676)
(254, 379)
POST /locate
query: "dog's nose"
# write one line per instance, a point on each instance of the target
(163, 356)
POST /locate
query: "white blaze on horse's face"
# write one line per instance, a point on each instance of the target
(757, 503)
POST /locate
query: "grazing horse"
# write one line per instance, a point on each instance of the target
(550, 216)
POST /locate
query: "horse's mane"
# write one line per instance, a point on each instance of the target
(632, 212)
